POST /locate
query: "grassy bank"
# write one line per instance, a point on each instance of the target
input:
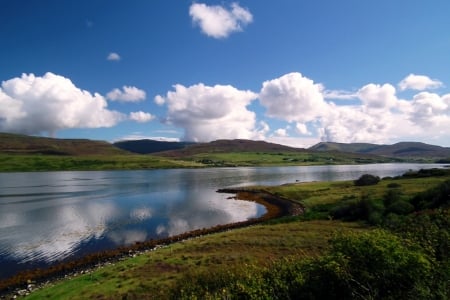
(45, 162)
(226, 261)
(152, 275)
(38, 162)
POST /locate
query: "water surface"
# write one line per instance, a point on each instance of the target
(48, 217)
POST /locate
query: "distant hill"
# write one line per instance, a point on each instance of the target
(147, 146)
(225, 146)
(24, 144)
(400, 150)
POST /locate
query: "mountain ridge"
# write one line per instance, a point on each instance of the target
(24, 144)
(400, 149)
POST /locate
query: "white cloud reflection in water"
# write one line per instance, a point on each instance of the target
(54, 220)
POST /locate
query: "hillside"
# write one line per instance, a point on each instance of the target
(399, 150)
(24, 144)
(149, 146)
(226, 146)
(343, 147)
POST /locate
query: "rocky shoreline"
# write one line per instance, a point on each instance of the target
(25, 282)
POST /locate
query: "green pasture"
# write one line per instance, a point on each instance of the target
(36, 162)
(281, 159)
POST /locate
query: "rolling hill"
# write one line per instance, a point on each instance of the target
(149, 146)
(227, 146)
(399, 150)
(24, 144)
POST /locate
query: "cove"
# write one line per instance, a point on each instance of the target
(49, 217)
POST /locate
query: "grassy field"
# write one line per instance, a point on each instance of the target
(40, 162)
(280, 159)
(36, 162)
(153, 274)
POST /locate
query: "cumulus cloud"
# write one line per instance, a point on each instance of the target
(217, 21)
(113, 56)
(127, 94)
(349, 124)
(380, 117)
(141, 117)
(378, 96)
(31, 105)
(281, 132)
(429, 109)
(293, 97)
(208, 113)
(419, 83)
(339, 95)
(302, 129)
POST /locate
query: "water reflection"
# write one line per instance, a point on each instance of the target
(47, 217)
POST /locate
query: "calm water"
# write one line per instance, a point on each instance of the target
(48, 217)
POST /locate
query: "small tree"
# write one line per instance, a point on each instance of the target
(367, 179)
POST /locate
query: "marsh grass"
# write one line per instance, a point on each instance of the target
(25, 163)
(152, 275)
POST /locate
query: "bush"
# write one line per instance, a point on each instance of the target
(366, 209)
(400, 207)
(381, 266)
(434, 197)
(394, 185)
(367, 179)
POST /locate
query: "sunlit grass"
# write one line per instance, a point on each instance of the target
(153, 274)
(23, 163)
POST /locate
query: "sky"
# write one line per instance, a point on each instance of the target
(291, 72)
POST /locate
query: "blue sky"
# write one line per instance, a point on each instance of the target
(291, 72)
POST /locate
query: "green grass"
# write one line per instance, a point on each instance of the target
(24, 163)
(154, 273)
(321, 193)
(41, 162)
(281, 158)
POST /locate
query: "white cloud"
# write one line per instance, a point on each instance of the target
(349, 124)
(217, 21)
(31, 104)
(339, 95)
(302, 129)
(293, 97)
(429, 109)
(378, 96)
(113, 56)
(419, 82)
(208, 113)
(141, 117)
(129, 94)
(281, 132)
(159, 100)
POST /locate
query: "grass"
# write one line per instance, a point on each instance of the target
(36, 162)
(281, 158)
(94, 162)
(154, 273)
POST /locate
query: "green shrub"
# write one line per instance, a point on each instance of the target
(367, 179)
(361, 209)
(400, 207)
(391, 196)
(394, 185)
(382, 266)
(433, 198)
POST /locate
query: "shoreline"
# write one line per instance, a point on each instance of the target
(26, 281)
